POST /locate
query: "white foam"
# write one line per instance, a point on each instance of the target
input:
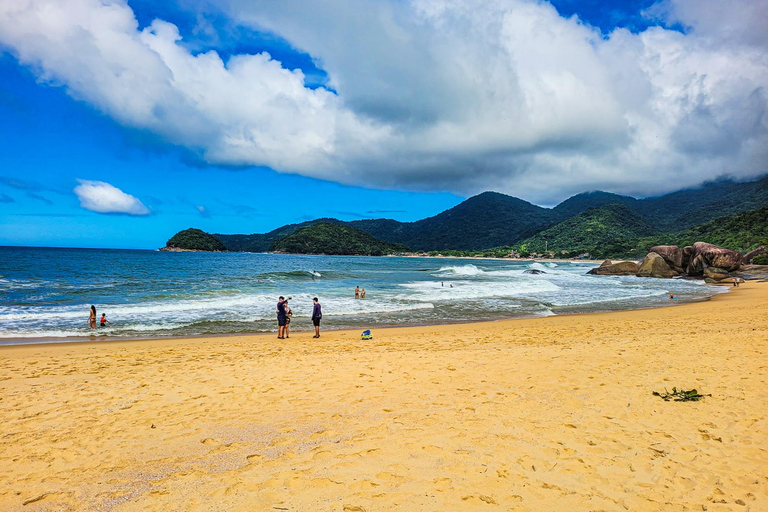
(462, 270)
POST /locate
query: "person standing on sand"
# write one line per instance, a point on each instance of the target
(281, 318)
(362, 293)
(357, 292)
(288, 315)
(92, 317)
(317, 314)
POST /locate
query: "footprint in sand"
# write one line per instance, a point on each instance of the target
(480, 499)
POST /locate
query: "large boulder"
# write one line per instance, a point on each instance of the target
(620, 268)
(708, 255)
(687, 255)
(757, 252)
(654, 265)
(716, 274)
(672, 255)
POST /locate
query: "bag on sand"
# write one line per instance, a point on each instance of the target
(366, 335)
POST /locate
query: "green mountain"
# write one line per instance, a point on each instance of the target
(261, 242)
(491, 219)
(693, 207)
(739, 231)
(194, 240)
(336, 239)
(582, 202)
(487, 220)
(593, 228)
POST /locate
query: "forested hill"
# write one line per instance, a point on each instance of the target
(694, 207)
(740, 231)
(589, 229)
(486, 220)
(194, 240)
(261, 242)
(492, 220)
(333, 238)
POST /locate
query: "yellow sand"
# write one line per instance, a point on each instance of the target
(552, 414)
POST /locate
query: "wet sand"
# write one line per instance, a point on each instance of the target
(540, 414)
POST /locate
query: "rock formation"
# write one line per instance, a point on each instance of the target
(704, 255)
(620, 268)
(671, 254)
(751, 254)
(654, 265)
(700, 259)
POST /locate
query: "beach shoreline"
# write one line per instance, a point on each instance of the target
(306, 327)
(528, 414)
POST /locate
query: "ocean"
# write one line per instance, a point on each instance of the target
(46, 293)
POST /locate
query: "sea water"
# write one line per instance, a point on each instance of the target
(45, 294)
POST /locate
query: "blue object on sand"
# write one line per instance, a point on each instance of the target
(366, 335)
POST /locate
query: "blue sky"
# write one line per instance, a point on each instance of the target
(48, 141)
(399, 122)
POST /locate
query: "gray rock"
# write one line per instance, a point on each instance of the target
(654, 265)
(672, 254)
(708, 255)
(620, 268)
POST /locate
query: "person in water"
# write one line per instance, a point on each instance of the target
(357, 292)
(317, 314)
(362, 293)
(92, 317)
(288, 315)
(103, 321)
(281, 318)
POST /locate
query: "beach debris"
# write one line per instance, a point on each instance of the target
(680, 395)
(153, 426)
(366, 335)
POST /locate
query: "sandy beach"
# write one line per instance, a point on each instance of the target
(543, 414)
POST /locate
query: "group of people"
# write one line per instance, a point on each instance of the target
(284, 315)
(359, 294)
(93, 317)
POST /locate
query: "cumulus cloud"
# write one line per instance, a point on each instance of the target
(432, 94)
(102, 197)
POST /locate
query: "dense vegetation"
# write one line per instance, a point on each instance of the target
(694, 207)
(333, 238)
(588, 231)
(483, 223)
(679, 210)
(195, 240)
(261, 242)
(740, 231)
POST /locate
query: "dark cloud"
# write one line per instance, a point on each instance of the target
(40, 198)
(374, 212)
(350, 214)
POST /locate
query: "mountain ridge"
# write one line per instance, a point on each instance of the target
(492, 219)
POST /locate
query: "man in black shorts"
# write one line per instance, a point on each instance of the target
(317, 314)
(281, 318)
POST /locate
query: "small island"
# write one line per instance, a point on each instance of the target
(334, 239)
(194, 240)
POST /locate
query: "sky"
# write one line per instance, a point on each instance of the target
(124, 122)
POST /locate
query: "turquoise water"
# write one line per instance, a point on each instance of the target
(46, 293)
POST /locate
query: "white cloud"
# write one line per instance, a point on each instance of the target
(102, 197)
(432, 94)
